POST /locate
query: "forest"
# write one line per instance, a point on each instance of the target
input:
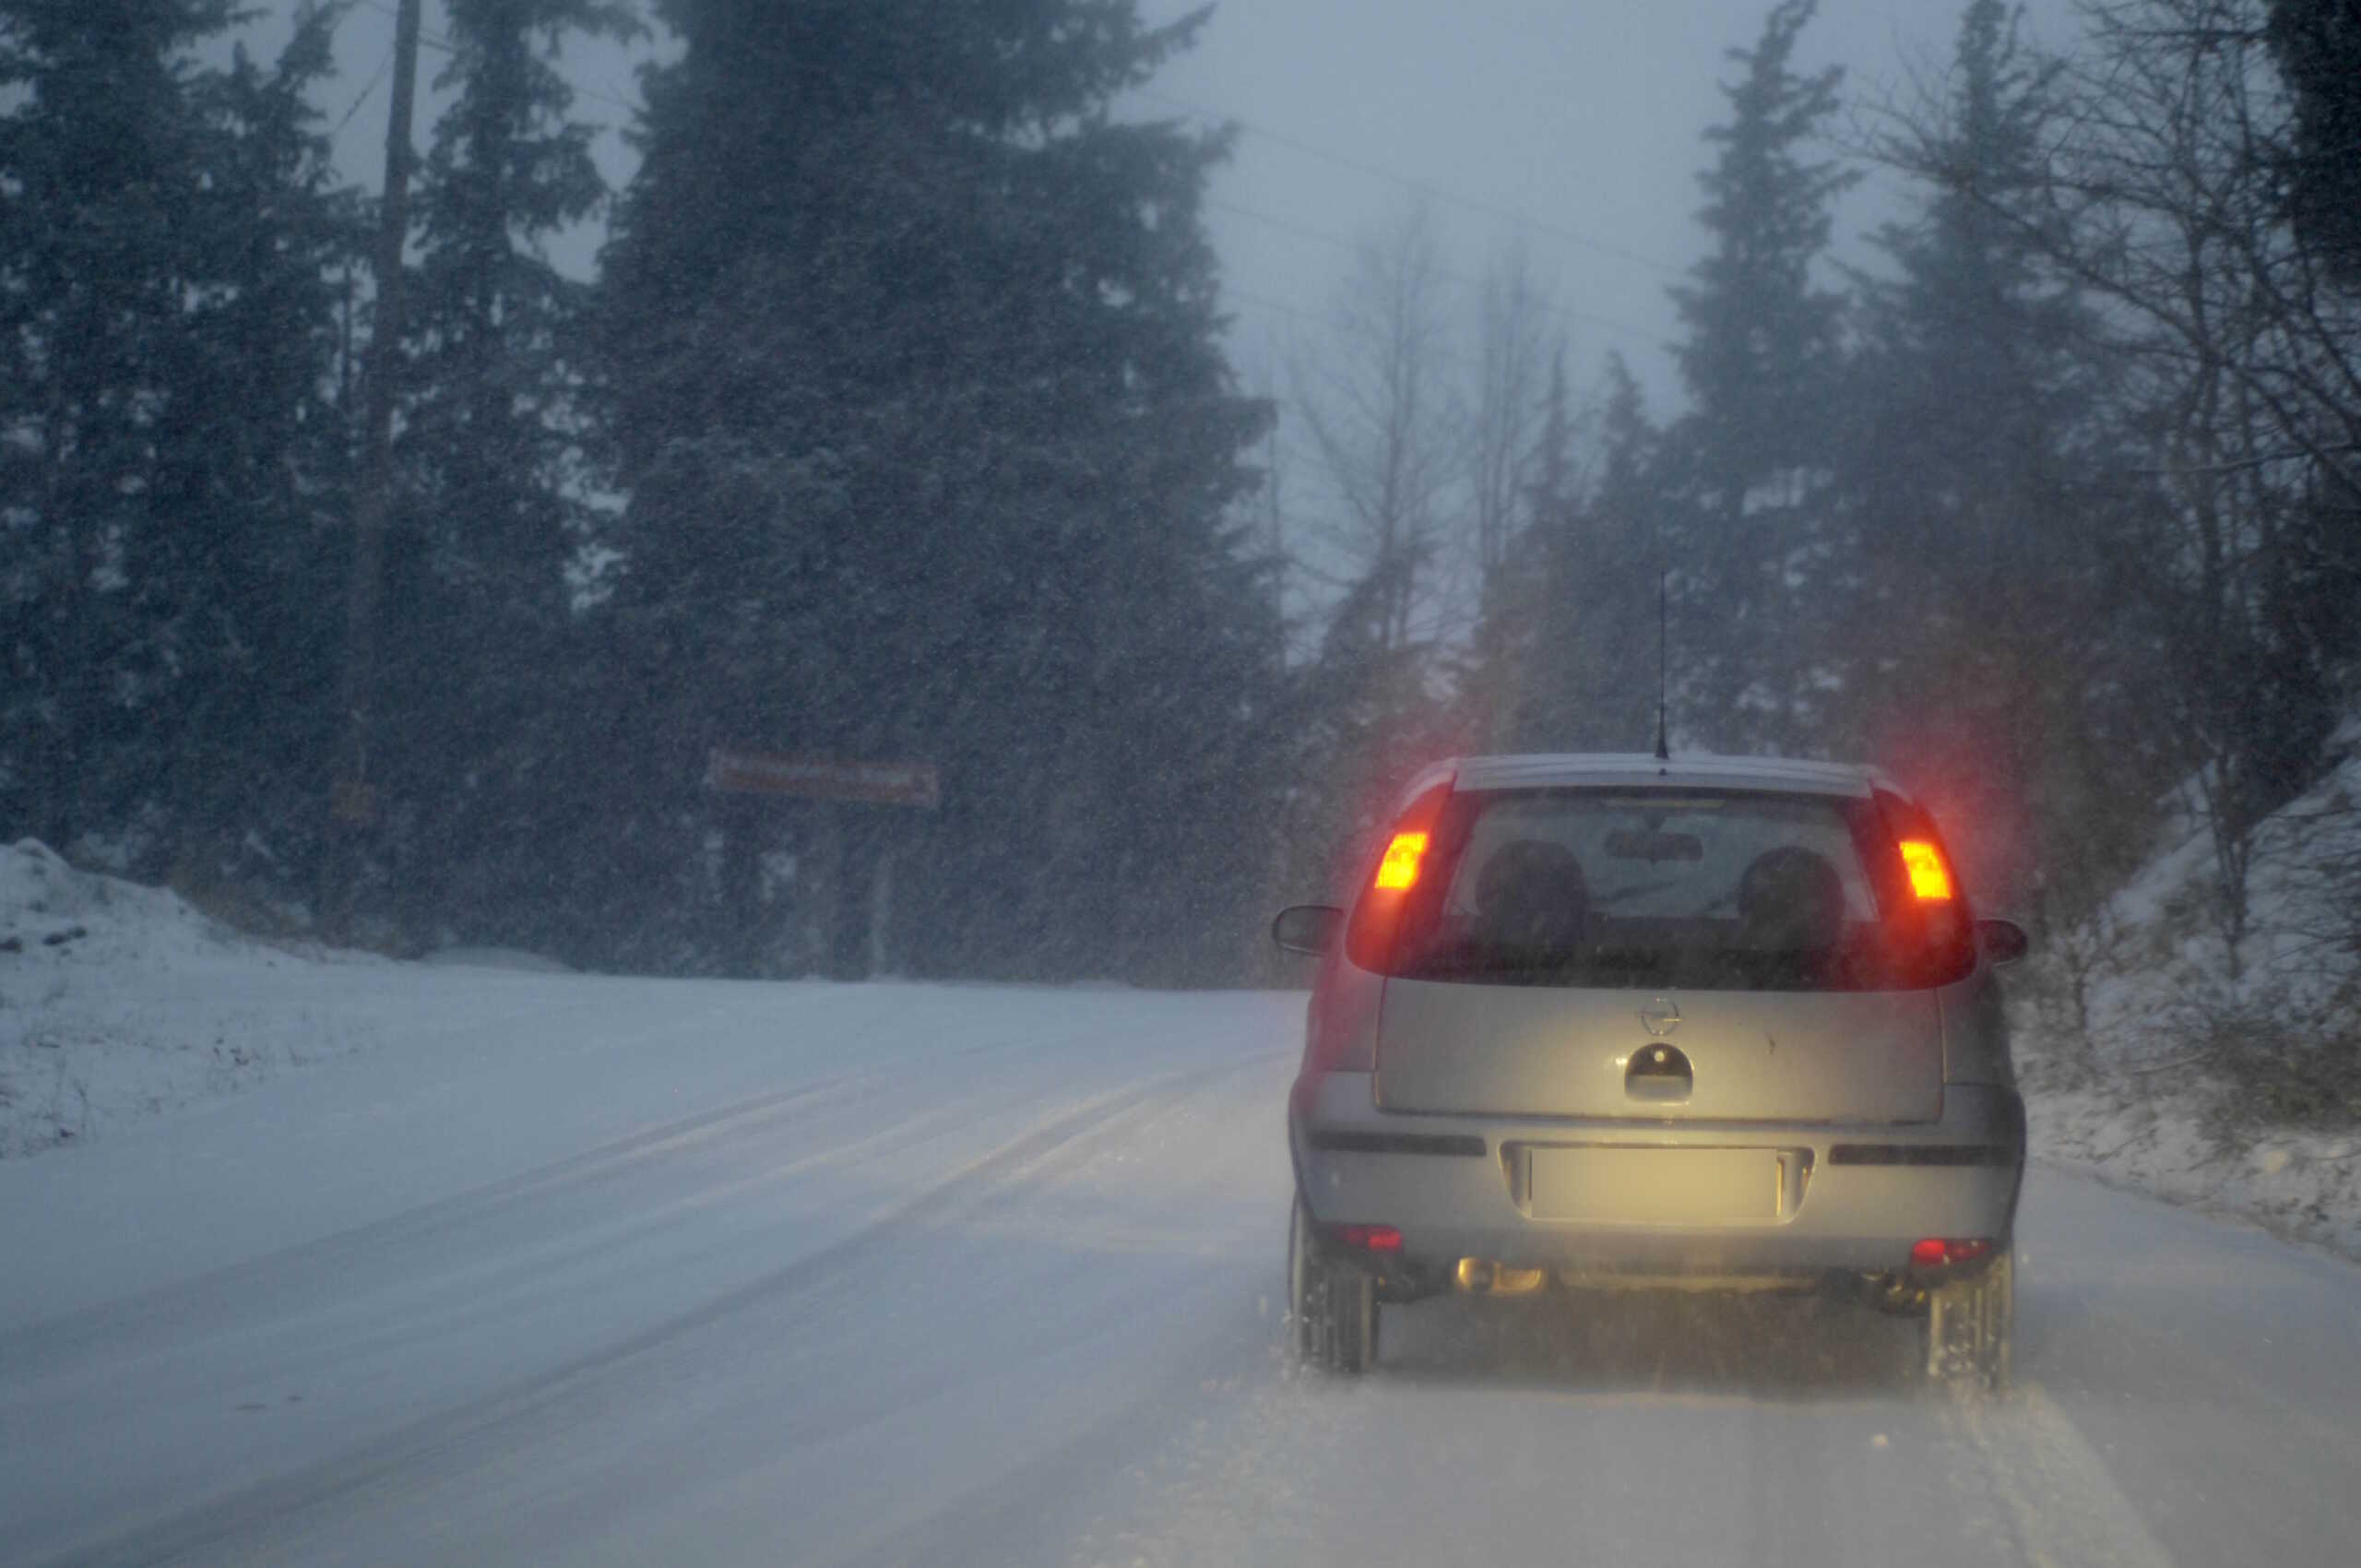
(898, 422)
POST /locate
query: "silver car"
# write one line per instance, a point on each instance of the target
(1619, 1022)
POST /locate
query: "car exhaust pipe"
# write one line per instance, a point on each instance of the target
(1482, 1277)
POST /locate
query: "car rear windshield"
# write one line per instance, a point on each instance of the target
(1710, 890)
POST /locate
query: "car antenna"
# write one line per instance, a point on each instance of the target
(1664, 737)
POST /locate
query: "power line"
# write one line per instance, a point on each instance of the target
(1301, 231)
(366, 93)
(1338, 242)
(446, 46)
(1246, 297)
(1413, 183)
(1497, 211)
(623, 103)
(1289, 226)
(431, 40)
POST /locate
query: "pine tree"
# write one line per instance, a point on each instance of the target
(2317, 45)
(483, 747)
(1978, 355)
(1976, 642)
(245, 574)
(1622, 660)
(97, 159)
(1520, 387)
(1587, 589)
(1763, 367)
(166, 330)
(1514, 686)
(2316, 580)
(911, 368)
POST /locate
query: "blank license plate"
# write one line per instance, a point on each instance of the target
(1657, 1187)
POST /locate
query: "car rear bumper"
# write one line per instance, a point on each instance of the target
(1818, 1198)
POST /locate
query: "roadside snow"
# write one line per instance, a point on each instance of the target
(2131, 1026)
(509, 958)
(593, 1271)
(118, 1002)
(2302, 1186)
(2154, 962)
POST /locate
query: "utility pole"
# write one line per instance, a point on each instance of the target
(353, 799)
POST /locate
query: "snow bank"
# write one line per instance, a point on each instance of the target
(2154, 962)
(2302, 1186)
(514, 960)
(119, 1001)
(2131, 1026)
(47, 905)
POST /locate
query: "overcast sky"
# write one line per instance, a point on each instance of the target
(1578, 124)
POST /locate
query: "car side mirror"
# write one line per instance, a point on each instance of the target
(2004, 942)
(1308, 929)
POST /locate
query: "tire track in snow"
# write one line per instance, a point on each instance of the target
(451, 1442)
(226, 1294)
(1101, 1391)
(2192, 1358)
(230, 1292)
(1063, 1486)
(2058, 1491)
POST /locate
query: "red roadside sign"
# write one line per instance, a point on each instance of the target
(820, 778)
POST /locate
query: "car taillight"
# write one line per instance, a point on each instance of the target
(1930, 879)
(1398, 872)
(1369, 1238)
(1920, 896)
(1937, 1252)
(1395, 882)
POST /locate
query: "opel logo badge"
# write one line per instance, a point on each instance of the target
(1660, 1017)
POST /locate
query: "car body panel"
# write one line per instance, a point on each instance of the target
(1975, 1031)
(1341, 1019)
(1546, 1050)
(1610, 768)
(1456, 1194)
(1818, 1132)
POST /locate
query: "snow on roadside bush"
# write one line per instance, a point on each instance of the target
(118, 1000)
(2167, 1142)
(2158, 1053)
(2152, 975)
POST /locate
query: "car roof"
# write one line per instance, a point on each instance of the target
(1639, 770)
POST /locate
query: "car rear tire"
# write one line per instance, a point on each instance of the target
(1332, 1303)
(1965, 1340)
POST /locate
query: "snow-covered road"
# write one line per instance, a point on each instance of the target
(588, 1271)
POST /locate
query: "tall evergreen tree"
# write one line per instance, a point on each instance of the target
(1976, 642)
(1586, 592)
(2317, 45)
(92, 313)
(916, 392)
(168, 454)
(1509, 689)
(1763, 367)
(481, 743)
(1520, 386)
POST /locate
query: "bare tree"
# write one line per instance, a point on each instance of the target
(2168, 204)
(1513, 347)
(1384, 422)
(2163, 198)
(1517, 348)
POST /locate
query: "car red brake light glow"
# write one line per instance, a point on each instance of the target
(1936, 1252)
(1399, 870)
(1930, 879)
(1393, 886)
(1370, 1237)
